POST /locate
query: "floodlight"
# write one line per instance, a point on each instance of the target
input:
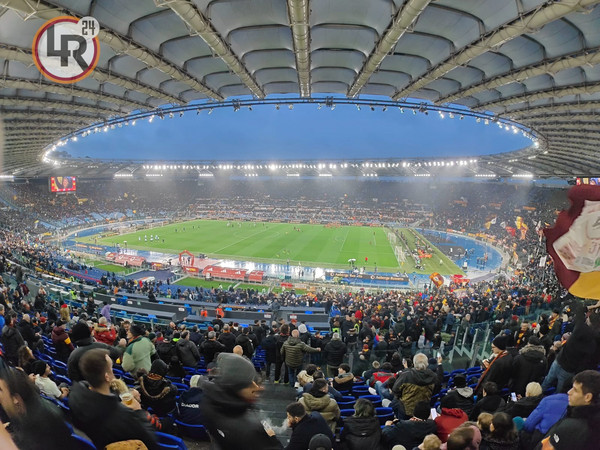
(180, 113)
(290, 106)
(171, 115)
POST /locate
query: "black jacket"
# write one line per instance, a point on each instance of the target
(489, 403)
(12, 340)
(83, 346)
(105, 420)
(500, 373)
(523, 407)
(409, 433)
(582, 349)
(166, 350)
(210, 348)
(228, 340)
(187, 352)
(462, 398)
(528, 366)
(335, 351)
(246, 343)
(188, 406)
(28, 334)
(158, 394)
(232, 422)
(361, 433)
(309, 426)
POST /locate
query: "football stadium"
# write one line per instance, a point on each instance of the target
(299, 224)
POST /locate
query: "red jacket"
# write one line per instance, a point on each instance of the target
(448, 421)
(105, 335)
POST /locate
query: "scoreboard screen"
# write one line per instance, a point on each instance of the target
(63, 184)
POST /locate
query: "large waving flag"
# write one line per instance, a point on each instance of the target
(574, 243)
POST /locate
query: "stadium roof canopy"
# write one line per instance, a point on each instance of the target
(534, 61)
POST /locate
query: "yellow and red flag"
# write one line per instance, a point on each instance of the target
(574, 243)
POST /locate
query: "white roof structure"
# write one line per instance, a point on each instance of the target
(534, 61)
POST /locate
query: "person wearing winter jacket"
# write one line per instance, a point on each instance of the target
(188, 404)
(292, 353)
(187, 351)
(211, 347)
(490, 401)
(529, 365)
(462, 395)
(548, 412)
(524, 406)
(344, 379)
(409, 433)
(499, 368)
(246, 343)
(451, 417)
(335, 351)
(415, 385)
(102, 332)
(318, 400)
(62, 342)
(580, 352)
(138, 354)
(361, 431)
(156, 391)
(503, 434)
(12, 339)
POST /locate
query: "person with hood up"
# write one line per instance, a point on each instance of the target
(99, 413)
(102, 332)
(462, 395)
(187, 351)
(361, 431)
(62, 341)
(292, 353)
(228, 410)
(156, 391)
(82, 338)
(415, 385)
(529, 365)
(335, 351)
(188, 405)
(317, 399)
(451, 417)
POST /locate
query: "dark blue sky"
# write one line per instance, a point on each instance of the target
(301, 133)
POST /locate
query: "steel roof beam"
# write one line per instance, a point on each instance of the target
(120, 44)
(200, 25)
(553, 93)
(589, 57)
(298, 14)
(55, 104)
(101, 75)
(526, 23)
(401, 22)
(552, 108)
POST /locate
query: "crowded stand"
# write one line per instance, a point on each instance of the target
(377, 377)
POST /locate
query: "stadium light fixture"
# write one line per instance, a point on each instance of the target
(358, 106)
(290, 106)
(180, 113)
(478, 120)
(384, 109)
(210, 111)
(277, 106)
(133, 122)
(171, 115)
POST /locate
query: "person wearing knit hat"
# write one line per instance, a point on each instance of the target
(228, 407)
(499, 368)
(156, 391)
(81, 336)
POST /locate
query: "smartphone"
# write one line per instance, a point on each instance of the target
(513, 396)
(265, 424)
(434, 413)
(439, 355)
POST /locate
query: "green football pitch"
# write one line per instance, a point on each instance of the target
(309, 245)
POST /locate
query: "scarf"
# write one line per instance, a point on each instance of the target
(501, 355)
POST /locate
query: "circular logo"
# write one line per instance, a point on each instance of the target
(66, 49)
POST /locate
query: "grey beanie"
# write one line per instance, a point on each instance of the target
(235, 372)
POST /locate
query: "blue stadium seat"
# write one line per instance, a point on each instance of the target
(80, 443)
(346, 412)
(192, 431)
(169, 441)
(375, 399)
(62, 379)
